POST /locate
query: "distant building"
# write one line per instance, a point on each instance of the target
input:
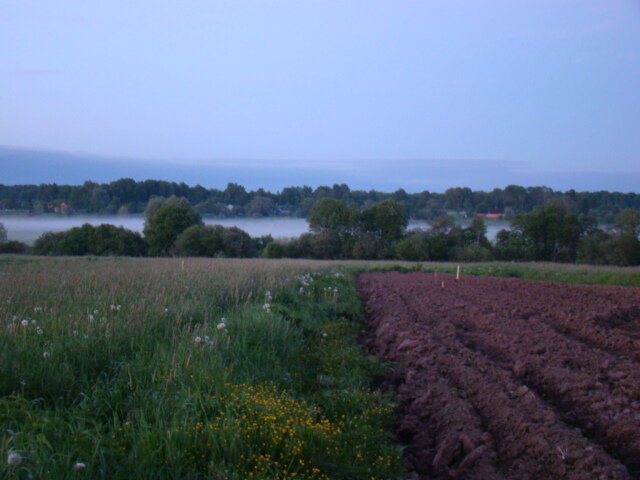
(491, 215)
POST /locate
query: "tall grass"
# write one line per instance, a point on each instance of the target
(165, 368)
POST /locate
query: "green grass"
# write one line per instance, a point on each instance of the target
(120, 365)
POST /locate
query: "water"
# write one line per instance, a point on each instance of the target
(28, 228)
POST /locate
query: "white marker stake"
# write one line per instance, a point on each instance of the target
(458, 273)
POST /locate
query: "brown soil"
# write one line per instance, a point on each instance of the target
(501, 378)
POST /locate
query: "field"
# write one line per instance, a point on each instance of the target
(186, 369)
(500, 378)
(119, 368)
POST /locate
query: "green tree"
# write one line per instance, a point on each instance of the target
(552, 232)
(3, 233)
(164, 223)
(385, 220)
(331, 215)
(628, 222)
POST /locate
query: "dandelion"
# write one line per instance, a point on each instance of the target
(90, 317)
(75, 332)
(197, 339)
(24, 323)
(325, 334)
(166, 310)
(33, 322)
(37, 309)
(301, 291)
(39, 331)
(266, 307)
(80, 466)
(14, 459)
(221, 326)
(46, 354)
(95, 312)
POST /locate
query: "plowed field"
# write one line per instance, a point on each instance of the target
(502, 378)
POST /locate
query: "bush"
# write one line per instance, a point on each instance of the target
(14, 246)
(214, 241)
(89, 240)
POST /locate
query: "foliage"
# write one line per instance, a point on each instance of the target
(235, 200)
(91, 240)
(3, 233)
(14, 246)
(165, 220)
(552, 232)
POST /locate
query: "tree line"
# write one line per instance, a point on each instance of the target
(128, 196)
(339, 230)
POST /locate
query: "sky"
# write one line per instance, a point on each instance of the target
(420, 95)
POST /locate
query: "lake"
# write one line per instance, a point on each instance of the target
(28, 228)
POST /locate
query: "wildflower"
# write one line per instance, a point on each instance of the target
(24, 323)
(221, 326)
(197, 339)
(14, 458)
(95, 312)
(301, 291)
(266, 307)
(166, 310)
(37, 309)
(33, 322)
(75, 332)
(206, 338)
(90, 317)
(39, 331)
(46, 354)
(325, 334)
(80, 466)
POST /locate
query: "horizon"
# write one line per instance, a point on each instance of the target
(65, 168)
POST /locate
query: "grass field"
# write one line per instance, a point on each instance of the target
(125, 368)
(141, 368)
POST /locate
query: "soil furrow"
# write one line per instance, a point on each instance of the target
(467, 369)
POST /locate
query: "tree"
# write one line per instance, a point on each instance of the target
(385, 220)
(166, 221)
(3, 233)
(552, 232)
(331, 215)
(261, 207)
(628, 222)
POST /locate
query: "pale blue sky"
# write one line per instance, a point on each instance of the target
(546, 91)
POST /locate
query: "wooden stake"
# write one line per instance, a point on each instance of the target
(458, 273)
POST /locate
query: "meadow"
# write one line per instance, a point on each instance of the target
(170, 368)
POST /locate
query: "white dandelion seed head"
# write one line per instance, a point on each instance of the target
(325, 334)
(46, 354)
(39, 331)
(197, 339)
(33, 322)
(75, 332)
(80, 466)
(24, 323)
(221, 326)
(90, 317)
(14, 459)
